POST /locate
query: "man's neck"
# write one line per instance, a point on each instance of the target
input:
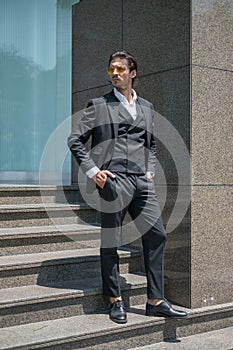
(128, 93)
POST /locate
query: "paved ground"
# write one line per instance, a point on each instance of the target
(217, 340)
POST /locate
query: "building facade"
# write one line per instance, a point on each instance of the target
(53, 58)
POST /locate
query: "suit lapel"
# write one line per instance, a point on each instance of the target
(113, 108)
(114, 118)
(124, 113)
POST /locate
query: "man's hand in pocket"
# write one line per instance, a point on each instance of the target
(101, 177)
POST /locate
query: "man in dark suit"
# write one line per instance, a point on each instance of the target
(121, 166)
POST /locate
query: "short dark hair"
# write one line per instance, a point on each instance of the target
(132, 63)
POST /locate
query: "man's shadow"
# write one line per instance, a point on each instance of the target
(78, 294)
(168, 326)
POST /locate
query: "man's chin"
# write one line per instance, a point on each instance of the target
(115, 82)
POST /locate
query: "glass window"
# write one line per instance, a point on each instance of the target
(35, 85)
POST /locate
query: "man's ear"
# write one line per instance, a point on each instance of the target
(133, 73)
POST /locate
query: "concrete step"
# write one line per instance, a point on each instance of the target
(49, 267)
(34, 303)
(96, 331)
(38, 239)
(221, 339)
(20, 215)
(21, 194)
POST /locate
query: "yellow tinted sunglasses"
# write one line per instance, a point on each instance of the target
(118, 70)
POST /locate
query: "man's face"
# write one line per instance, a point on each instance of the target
(121, 77)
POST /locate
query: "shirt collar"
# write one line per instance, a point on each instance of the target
(122, 98)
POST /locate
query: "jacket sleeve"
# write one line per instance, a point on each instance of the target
(80, 135)
(152, 146)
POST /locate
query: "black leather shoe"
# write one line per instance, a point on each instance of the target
(117, 312)
(164, 310)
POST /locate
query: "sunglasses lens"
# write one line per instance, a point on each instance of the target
(110, 71)
(118, 70)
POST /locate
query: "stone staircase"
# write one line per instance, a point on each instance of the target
(51, 296)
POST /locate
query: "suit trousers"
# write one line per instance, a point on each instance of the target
(136, 195)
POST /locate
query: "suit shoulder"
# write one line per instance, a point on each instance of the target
(109, 97)
(96, 101)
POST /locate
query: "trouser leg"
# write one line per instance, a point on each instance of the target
(153, 249)
(110, 240)
(145, 211)
(111, 229)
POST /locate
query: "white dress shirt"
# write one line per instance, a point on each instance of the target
(130, 106)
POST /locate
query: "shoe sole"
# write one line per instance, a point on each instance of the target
(118, 321)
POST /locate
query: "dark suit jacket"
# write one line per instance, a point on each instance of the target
(100, 121)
